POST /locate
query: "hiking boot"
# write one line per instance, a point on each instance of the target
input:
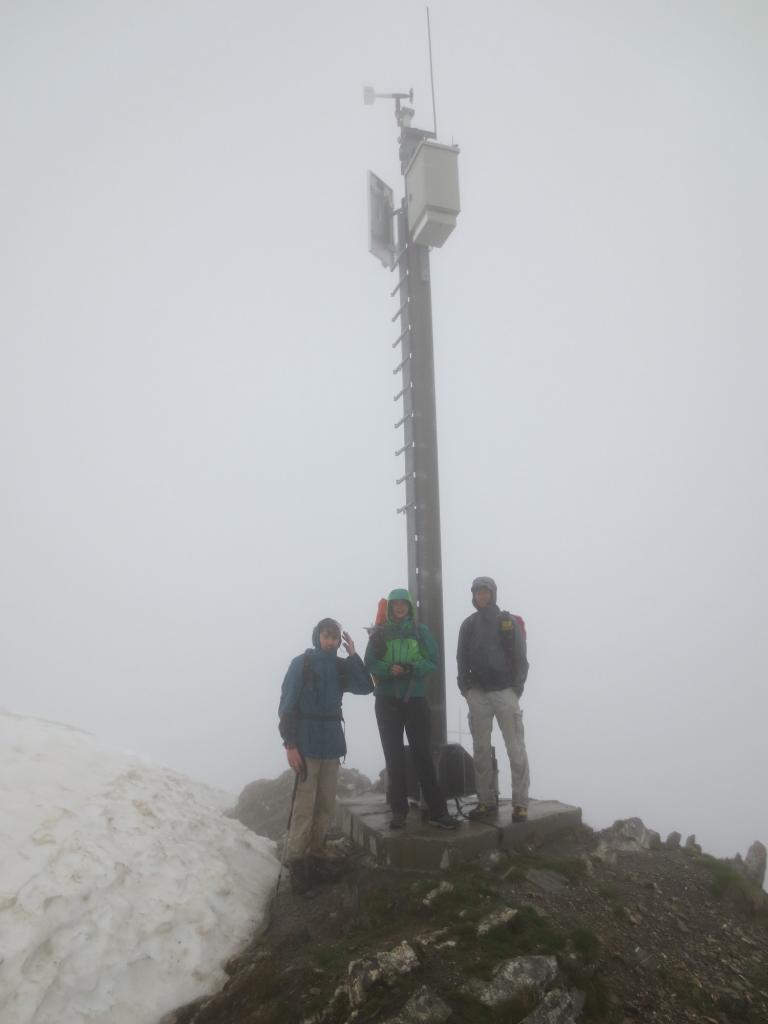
(443, 821)
(397, 821)
(519, 813)
(482, 811)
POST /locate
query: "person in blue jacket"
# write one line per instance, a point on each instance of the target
(313, 736)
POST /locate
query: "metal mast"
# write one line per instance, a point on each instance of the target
(401, 251)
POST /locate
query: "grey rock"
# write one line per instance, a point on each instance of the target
(557, 1007)
(496, 920)
(691, 845)
(549, 881)
(351, 782)
(627, 835)
(512, 977)
(436, 893)
(755, 863)
(673, 841)
(435, 938)
(424, 1007)
(400, 960)
(363, 975)
(263, 805)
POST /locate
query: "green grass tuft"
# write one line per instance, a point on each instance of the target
(586, 944)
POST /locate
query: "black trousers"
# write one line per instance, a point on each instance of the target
(412, 716)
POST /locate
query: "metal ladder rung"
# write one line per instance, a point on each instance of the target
(399, 312)
(398, 286)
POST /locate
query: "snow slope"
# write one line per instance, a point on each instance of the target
(122, 886)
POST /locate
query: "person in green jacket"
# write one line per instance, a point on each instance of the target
(400, 655)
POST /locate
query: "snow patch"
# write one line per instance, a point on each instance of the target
(122, 887)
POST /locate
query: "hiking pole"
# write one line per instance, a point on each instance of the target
(287, 831)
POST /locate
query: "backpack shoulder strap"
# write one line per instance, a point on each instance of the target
(308, 673)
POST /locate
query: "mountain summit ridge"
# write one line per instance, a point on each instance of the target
(615, 926)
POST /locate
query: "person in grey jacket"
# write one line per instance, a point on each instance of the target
(492, 670)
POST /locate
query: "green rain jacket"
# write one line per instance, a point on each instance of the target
(401, 643)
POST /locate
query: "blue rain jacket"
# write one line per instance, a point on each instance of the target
(310, 702)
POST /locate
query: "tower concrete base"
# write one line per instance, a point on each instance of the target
(421, 846)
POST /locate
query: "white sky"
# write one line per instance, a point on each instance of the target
(196, 443)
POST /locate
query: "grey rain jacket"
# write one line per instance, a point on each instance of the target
(492, 651)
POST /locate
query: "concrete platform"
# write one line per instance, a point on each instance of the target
(366, 821)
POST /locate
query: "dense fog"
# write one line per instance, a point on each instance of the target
(196, 416)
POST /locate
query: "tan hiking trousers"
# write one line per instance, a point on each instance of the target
(503, 705)
(313, 808)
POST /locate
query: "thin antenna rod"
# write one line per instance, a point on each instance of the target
(431, 75)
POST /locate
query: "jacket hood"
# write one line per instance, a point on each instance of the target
(488, 583)
(324, 624)
(399, 594)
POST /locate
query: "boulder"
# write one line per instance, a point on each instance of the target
(384, 969)
(627, 835)
(351, 783)
(548, 881)
(263, 806)
(512, 977)
(424, 1007)
(557, 1007)
(691, 845)
(673, 841)
(397, 961)
(436, 893)
(439, 939)
(496, 920)
(754, 864)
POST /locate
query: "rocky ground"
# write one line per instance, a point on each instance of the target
(589, 926)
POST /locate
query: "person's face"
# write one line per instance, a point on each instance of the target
(400, 610)
(329, 640)
(483, 597)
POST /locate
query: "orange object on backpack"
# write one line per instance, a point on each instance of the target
(382, 610)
